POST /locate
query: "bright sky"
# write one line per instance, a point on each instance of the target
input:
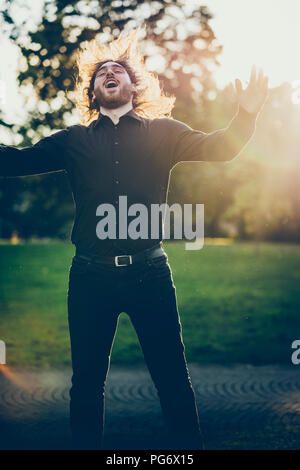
(261, 32)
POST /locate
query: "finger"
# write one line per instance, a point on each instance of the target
(253, 75)
(239, 86)
(265, 90)
(232, 92)
(265, 83)
(260, 78)
(231, 87)
(266, 87)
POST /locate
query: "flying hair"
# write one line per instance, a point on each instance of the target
(150, 101)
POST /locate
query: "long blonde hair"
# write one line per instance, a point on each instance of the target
(150, 101)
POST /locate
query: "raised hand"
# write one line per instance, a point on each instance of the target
(255, 94)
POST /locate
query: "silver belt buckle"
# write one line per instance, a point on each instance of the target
(120, 256)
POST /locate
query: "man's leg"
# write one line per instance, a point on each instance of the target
(155, 317)
(92, 325)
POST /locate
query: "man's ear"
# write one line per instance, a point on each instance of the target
(94, 100)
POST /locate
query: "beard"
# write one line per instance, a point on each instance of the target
(114, 100)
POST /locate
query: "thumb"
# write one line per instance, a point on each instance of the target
(239, 87)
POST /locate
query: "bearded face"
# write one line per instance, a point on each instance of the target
(112, 86)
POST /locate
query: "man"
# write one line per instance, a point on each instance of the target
(123, 152)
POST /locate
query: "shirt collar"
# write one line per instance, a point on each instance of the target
(130, 113)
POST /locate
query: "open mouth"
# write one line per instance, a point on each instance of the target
(111, 84)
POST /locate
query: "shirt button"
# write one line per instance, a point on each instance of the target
(116, 143)
(116, 162)
(117, 181)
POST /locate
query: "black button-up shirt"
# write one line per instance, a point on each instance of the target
(132, 158)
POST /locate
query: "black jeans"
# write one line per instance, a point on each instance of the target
(146, 292)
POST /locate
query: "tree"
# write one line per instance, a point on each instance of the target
(184, 43)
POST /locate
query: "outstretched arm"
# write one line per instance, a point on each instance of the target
(45, 156)
(224, 144)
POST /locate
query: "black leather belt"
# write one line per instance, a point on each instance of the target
(125, 260)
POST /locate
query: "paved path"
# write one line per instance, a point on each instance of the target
(240, 407)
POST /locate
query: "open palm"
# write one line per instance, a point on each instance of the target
(255, 94)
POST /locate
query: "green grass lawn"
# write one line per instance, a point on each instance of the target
(237, 303)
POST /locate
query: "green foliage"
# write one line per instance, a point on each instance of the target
(50, 50)
(255, 196)
(49, 55)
